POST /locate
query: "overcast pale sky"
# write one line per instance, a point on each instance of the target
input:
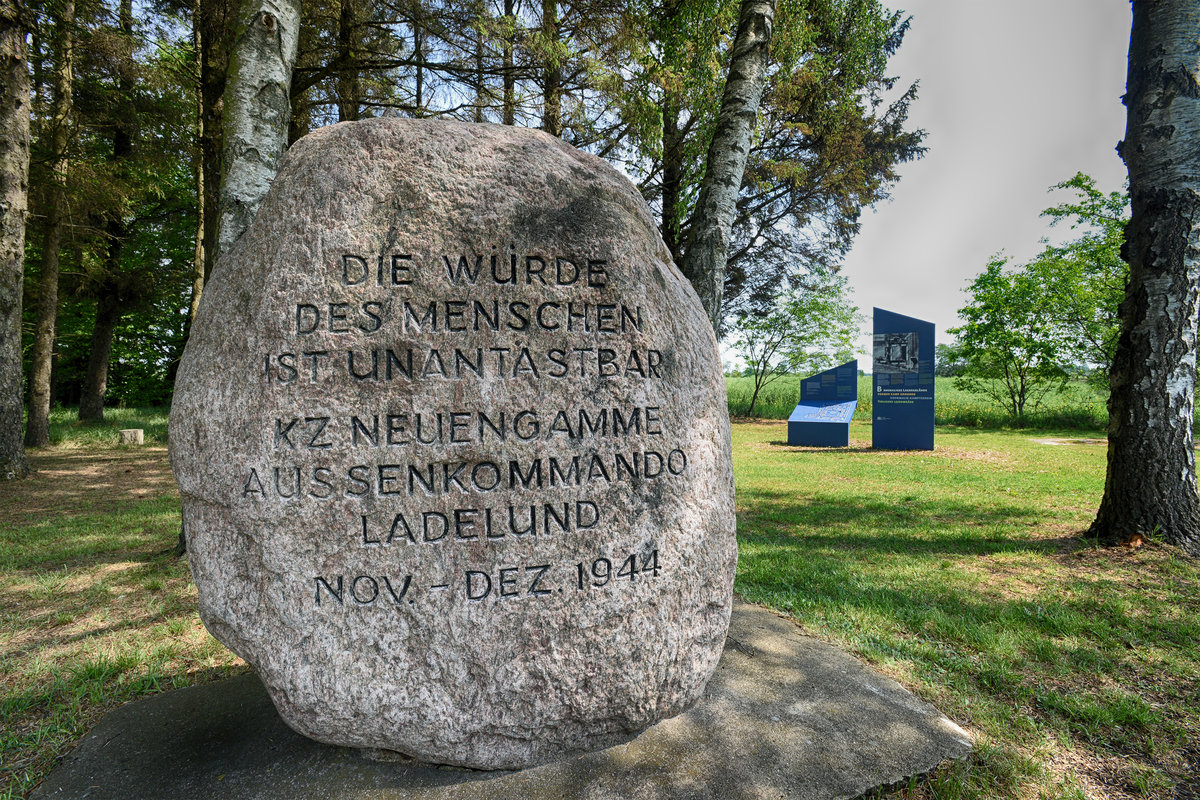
(1016, 96)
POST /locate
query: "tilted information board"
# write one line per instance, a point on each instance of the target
(902, 398)
(827, 403)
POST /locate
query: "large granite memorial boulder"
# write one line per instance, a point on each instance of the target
(452, 441)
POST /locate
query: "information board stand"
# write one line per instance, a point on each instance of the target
(902, 381)
(827, 403)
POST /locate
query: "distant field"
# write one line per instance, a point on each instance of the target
(1080, 407)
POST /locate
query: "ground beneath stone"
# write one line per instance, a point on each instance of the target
(784, 716)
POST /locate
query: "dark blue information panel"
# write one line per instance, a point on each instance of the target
(902, 367)
(827, 403)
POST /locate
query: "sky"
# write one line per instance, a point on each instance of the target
(1015, 96)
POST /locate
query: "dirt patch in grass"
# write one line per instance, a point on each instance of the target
(75, 481)
(1085, 559)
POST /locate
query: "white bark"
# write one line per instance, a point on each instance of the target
(1151, 483)
(708, 247)
(257, 110)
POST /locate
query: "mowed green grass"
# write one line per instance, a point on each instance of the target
(95, 610)
(66, 429)
(1078, 407)
(962, 573)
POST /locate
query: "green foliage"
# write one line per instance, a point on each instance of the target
(1028, 326)
(1012, 354)
(1084, 280)
(830, 134)
(641, 84)
(948, 361)
(809, 329)
(144, 197)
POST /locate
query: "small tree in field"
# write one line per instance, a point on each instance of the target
(810, 329)
(1012, 351)
(1082, 281)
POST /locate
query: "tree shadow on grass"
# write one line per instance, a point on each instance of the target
(972, 597)
(86, 481)
(905, 521)
(906, 560)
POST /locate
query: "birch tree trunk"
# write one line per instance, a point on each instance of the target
(1151, 482)
(14, 196)
(257, 111)
(256, 115)
(708, 244)
(37, 427)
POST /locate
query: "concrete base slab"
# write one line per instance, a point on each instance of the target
(784, 716)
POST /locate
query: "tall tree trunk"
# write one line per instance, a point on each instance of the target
(510, 83)
(419, 58)
(1151, 482)
(95, 383)
(257, 111)
(708, 245)
(672, 137)
(14, 196)
(480, 89)
(552, 72)
(199, 271)
(216, 24)
(672, 180)
(37, 428)
(348, 83)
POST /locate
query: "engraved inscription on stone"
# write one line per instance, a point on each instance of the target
(451, 437)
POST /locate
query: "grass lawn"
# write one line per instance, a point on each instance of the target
(94, 608)
(962, 574)
(959, 572)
